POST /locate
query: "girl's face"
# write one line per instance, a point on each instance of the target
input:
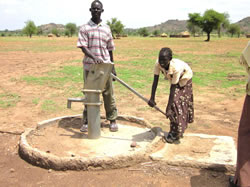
(163, 61)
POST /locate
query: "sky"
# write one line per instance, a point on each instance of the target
(132, 13)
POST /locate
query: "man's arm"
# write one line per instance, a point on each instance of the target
(111, 56)
(88, 53)
(112, 60)
(151, 102)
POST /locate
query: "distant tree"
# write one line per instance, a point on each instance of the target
(39, 31)
(193, 29)
(234, 29)
(131, 32)
(156, 32)
(194, 23)
(71, 29)
(224, 24)
(66, 33)
(208, 22)
(143, 32)
(55, 32)
(30, 28)
(116, 26)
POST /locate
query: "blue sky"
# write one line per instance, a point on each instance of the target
(132, 13)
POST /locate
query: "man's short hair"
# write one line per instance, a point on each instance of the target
(165, 51)
(96, 1)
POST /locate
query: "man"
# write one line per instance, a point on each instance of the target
(95, 40)
(180, 109)
(241, 177)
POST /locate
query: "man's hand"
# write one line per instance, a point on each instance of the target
(98, 60)
(88, 53)
(151, 103)
(113, 72)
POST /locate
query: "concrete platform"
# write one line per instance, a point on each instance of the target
(200, 151)
(58, 144)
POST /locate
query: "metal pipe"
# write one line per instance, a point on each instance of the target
(70, 100)
(135, 92)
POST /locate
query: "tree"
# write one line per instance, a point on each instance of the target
(234, 29)
(208, 22)
(143, 32)
(71, 29)
(39, 31)
(66, 33)
(30, 28)
(116, 26)
(193, 29)
(194, 23)
(55, 32)
(156, 33)
(224, 24)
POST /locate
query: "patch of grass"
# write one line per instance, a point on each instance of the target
(58, 78)
(212, 62)
(49, 105)
(35, 101)
(75, 61)
(8, 100)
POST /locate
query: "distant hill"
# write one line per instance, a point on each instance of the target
(244, 25)
(47, 28)
(177, 26)
(170, 26)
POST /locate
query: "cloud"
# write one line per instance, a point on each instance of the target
(10, 11)
(9, 2)
(132, 13)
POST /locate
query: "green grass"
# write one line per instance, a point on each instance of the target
(215, 65)
(57, 78)
(8, 100)
(49, 106)
(35, 101)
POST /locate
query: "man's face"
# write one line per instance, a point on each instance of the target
(96, 10)
(163, 61)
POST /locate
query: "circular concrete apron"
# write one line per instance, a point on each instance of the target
(58, 144)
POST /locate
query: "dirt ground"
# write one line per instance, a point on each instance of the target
(215, 114)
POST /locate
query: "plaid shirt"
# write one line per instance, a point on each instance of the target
(98, 39)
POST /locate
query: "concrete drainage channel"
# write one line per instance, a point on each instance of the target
(57, 144)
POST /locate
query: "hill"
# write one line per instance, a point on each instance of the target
(244, 25)
(47, 28)
(170, 26)
(177, 26)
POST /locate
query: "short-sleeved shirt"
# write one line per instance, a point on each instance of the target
(98, 39)
(245, 61)
(179, 72)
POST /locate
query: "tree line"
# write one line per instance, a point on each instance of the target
(209, 22)
(31, 29)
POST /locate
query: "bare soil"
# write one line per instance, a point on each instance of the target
(215, 114)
